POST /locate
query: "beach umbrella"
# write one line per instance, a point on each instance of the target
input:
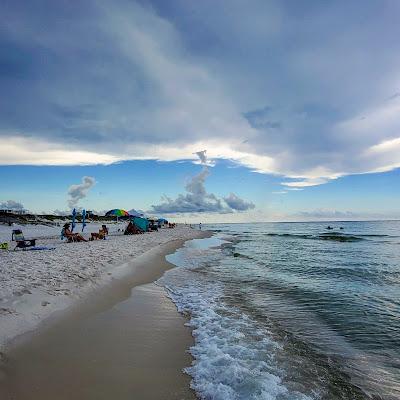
(117, 212)
(73, 219)
(83, 219)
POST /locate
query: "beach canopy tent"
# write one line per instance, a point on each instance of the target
(161, 222)
(117, 212)
(141, 223)
(134, 213)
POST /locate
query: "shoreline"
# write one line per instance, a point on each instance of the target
(150, 317)
(36, 285)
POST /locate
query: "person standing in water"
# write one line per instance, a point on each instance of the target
(200, 225)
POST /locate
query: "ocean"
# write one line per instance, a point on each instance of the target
(292, 310)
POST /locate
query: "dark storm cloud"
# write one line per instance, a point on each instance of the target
(304, 91)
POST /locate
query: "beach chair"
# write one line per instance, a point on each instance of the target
(71, 237)
(103, 232)
(22, 243)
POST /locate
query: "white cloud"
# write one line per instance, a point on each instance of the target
(18, 150)
(238, 204)
(79, 192)
(306, 183)
(198, 200)
(62, 213)
(323, 213)
(11, 205)
(386, 146)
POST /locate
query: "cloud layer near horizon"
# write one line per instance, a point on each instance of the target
(11, 205)
(198, 200)
(308, 91)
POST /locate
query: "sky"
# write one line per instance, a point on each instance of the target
(228, 111)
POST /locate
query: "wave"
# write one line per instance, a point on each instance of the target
(234, 356)
(338, 237)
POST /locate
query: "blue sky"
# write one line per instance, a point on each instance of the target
(296, 103)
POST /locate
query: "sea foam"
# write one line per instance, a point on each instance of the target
(233, 357)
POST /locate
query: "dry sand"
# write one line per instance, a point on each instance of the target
(35, 284)
(125, 341)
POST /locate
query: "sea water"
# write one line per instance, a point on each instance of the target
(292, 310)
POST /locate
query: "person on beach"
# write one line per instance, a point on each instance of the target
(200, 225)
(72, 237)
(103, 232)
(132, 229)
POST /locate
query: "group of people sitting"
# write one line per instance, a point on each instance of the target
(77, 237)
(131, 229)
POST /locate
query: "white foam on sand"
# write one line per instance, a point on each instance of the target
(34, 284)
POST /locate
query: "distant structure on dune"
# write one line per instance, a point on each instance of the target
(9, 211)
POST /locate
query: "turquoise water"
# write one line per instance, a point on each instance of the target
(293, 310)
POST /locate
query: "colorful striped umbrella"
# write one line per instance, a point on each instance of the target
(117, 212)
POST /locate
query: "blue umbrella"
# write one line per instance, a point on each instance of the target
(73, 219)
(83, 219)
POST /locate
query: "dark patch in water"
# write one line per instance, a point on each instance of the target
(337, 237)
(340, 238)
(240, 255)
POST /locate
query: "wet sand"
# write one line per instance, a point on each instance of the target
(126, 341)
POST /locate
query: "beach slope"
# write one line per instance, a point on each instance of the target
(125, 340)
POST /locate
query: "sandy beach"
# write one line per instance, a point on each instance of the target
(115, 335)
(35, 284)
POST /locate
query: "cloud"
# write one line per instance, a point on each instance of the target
(11, 205)
(328, 214)
(143, 82)
(202, 156)
(236, 203)
(62, 213)
(18, 150)
(79, 192)
(204, 160)
(198, 200)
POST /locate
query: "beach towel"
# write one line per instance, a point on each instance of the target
(39, 248)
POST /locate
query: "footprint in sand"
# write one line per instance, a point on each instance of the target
(6, 311)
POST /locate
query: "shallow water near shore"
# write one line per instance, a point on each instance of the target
(292, 310)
